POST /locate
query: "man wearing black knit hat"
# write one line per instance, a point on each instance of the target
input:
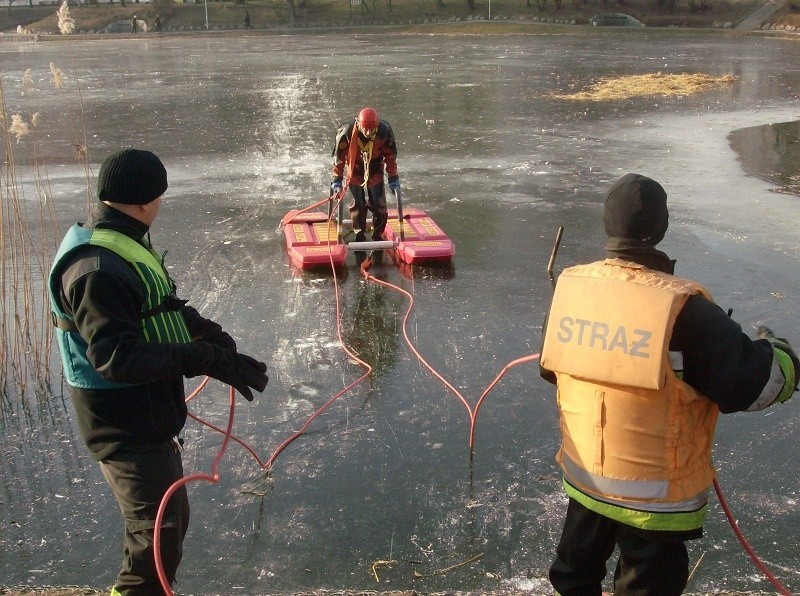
(126, 342)
(644, 362)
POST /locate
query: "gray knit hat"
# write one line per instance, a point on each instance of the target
(132, 177)
(636, 209)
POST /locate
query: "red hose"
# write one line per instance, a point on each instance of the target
(213, 478)
(302, 430)
(472, 412)
(748, 549)
(506, 368)
(297, 212)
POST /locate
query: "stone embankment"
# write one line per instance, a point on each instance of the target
(779, 27)
(760, 18)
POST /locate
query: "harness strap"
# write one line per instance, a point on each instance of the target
(170, 303)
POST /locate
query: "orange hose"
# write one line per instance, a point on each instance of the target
(213, 478)
(472, 412)
(747, 548)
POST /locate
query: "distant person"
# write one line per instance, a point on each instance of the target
(364, 149)
(644, 362)
(247, 20)
(134, 25)
(126, 342)
(157, 24)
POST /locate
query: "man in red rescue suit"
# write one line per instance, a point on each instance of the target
(364, 148)
(644, 361)
(126, 342)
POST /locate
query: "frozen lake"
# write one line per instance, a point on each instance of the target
(245, 127)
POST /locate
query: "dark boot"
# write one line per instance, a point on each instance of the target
(379, 219)
(360, 254)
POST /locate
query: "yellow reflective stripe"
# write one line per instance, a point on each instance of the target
(150, 300)
(126, 247)
(164, 327)
(632, 489)
(645, 520)
(787, 372)
(676, 361)
(168, 321)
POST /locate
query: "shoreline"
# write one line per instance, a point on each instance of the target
(502, 28)
(85, 591)
(414, 16)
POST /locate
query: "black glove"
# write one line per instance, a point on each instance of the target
(203, 329)
(218, 337)
(240, 371)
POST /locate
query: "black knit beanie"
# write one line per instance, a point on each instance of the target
(636, 209)
(132, 177)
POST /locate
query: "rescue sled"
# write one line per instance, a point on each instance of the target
(419, 239)
(314, 239)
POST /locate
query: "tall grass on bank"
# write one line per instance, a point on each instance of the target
(28, 232)
(29, 236)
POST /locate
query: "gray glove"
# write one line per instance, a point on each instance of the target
(240, 371)
(787, 360)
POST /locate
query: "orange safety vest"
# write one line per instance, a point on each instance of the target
(636, 440)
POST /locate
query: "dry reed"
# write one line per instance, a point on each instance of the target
(648, 85)
(27, 233)
(66, 24)
(29, 236)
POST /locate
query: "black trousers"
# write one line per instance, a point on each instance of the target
(139, 478)
(376, 203)
(650, 562)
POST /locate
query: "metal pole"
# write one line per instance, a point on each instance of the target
(372, 245)
(399, 213)
(490, 10)
(553, 254)
(206, 15)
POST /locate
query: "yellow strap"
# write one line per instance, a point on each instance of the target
(366, 155)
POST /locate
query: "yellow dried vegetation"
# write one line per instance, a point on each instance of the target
(658, 83)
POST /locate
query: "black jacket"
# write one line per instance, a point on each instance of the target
(105, 296)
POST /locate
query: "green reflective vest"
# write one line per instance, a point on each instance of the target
(160, 321)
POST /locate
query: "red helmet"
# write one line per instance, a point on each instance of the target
(368, 122)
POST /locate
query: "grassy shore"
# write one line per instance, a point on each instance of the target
(321, 14)
(46, 591)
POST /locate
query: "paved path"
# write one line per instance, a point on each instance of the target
(761, 14)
